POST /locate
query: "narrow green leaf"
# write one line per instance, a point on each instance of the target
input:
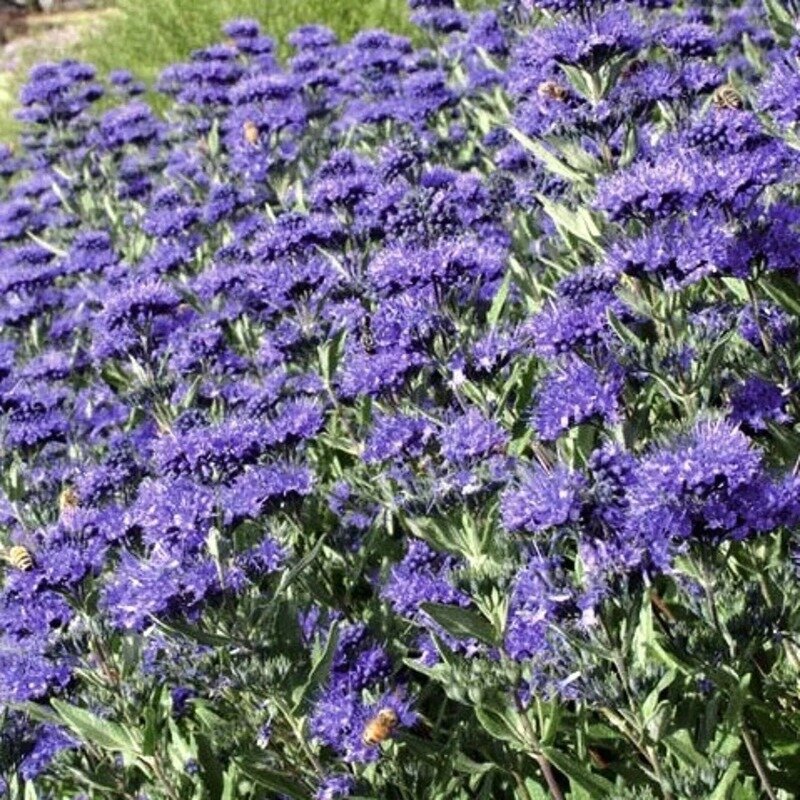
(579, 775)
(462, 623)
(37, 712)
(57, 251)
(193, 633)
(497, 726)
(535, 791)
(154, 714)
(550, 161)
(680, 744)
(780, 20)
(463, 763)
(722, 789)
(213, 139)
(738, 287)
(274, 781)
(579, 222)
(624, 332)
(581, 81)
(96, 730)
(499, 300)
(230, 783)
(712, 361)
(291, 575)
(784, 291)
(320, 670)
(329, 355)
(179, 748)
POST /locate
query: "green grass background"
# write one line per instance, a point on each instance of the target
(146, 35)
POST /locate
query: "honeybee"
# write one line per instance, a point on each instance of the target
(251, 133)
(726, 96)
(632, 68)
(68, 504)
(68, 499)
(19, 557)
(365, 334)
(552, 90)
(380, 727)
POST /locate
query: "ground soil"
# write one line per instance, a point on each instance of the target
(24, 33)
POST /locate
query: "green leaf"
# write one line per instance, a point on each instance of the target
(784, 291)
(153, 713)
(535, 791)
(462, 763)
(738, 287)
(289, 577)
(550, 161)
(579, 222)
(180, 749)
(213, 139)
(37, 712)
(462, 623)
(210, 720)
(787, 443)
(578, 775)
(526, 283)
(780, 20)
(712, 360)
(624, 332)
(497, 725)
(433, 532)
(191, 632)
(581, 81)
(96, 730)
(680, 744)
(230, 783)
(653, 700)
(655, 648)
(320, 670)
(274, 781)
(330, 354)
(56, 251)
(753, 54)
(722, 789)
(499, 301)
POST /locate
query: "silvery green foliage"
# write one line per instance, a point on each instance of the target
(408, 421)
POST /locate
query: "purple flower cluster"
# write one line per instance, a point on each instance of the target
(506, 325)
(359, 671)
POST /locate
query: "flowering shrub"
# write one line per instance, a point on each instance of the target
(408, 423)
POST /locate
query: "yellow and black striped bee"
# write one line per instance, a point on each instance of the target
(19, 557)
(68, 504)
(727, 96)
(380, 727)
(365, 334)
(251, 132)
(68, 499)
(552, 90)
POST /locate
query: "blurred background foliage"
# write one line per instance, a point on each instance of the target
(146, 35)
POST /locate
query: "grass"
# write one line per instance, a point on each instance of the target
(149, 34)
(146, 35)
(49, 37)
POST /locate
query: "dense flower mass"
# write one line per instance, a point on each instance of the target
(408, 420)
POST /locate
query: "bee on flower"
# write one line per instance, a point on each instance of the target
(19, 557)
(250, 132)
(380, 727)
